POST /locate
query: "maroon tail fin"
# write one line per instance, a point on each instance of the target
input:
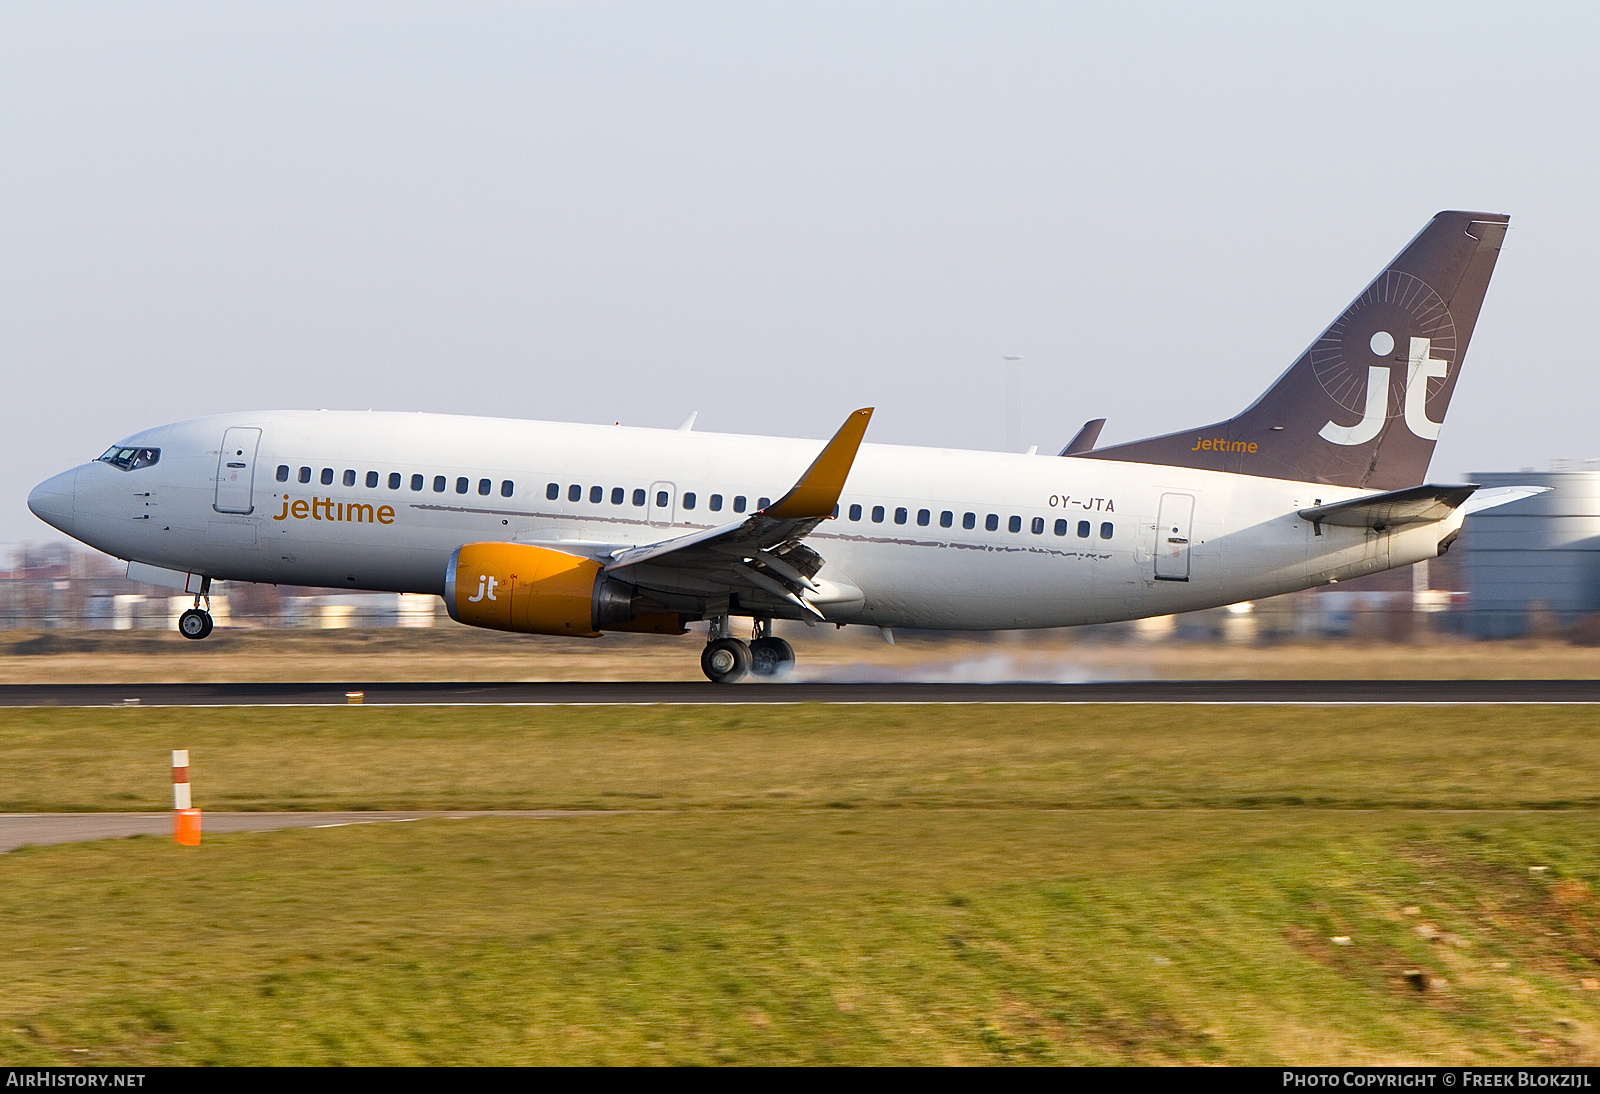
(1362, 406)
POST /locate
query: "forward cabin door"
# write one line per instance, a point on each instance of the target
(236, 470)
(1172, 537)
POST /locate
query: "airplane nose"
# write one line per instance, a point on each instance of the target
(52, 501)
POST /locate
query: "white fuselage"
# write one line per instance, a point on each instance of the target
(1218, 538)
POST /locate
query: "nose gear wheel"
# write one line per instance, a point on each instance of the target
(195, 624)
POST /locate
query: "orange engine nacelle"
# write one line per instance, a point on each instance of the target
(534, 590)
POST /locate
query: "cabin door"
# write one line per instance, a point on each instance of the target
(1172, 537)
(236, 470)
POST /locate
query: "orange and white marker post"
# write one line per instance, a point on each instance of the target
(185, 820)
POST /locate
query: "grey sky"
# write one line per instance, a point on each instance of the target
(771, 213)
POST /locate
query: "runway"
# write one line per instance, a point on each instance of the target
(42, 829)
(1278, 692)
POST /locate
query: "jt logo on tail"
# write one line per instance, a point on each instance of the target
(1421, 366)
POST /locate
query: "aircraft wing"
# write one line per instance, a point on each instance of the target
(1413, 505)
(761, 554)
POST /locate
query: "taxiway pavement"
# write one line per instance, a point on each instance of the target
(41, 829)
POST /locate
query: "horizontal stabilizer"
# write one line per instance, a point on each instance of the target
(1500, 495)
(1413, 505)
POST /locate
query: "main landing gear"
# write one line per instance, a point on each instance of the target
(727, 659)
(196, 622)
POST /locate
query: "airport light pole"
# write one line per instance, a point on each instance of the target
(1013, 403)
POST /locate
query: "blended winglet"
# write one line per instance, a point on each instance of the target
(818, 490)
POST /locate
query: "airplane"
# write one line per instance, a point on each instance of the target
(573, 529)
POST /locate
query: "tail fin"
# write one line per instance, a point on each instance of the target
(1362, 406)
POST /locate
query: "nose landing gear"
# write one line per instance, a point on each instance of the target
(196, 622)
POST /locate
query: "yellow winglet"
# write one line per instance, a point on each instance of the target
(818, 490)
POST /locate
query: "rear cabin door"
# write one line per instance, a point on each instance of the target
(236, 470)
(1172, 537)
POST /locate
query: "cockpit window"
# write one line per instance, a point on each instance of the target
(131, 459)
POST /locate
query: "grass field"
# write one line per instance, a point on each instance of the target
(451, 652)
(811, 884)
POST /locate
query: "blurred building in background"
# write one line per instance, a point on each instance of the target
(1533, 566)
(63, 587)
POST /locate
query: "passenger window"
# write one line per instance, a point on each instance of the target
(836, 512)
(969, 520)
(372, 480)
(1060, 528)
(900, 515)
(349, 477)
(394, 480)
(877, 514)
(327, 476)
(946, 519)
(461, 485)
(923, 517)
(484, 487)
(416, 482)
(506, 488)
(1014, 524)
(688, 500)
(616, 495)
(1105, 530)
(661, 499)
(716, 503)
(283, 472)
(1083, 529)
(738, 503)
(552, 492)
(855, 512)
(1038, 526)
(992, 522)
(638, 497)
(305, 474)
(574, 492)
(438, 484)
(761, 503)
(597, 494)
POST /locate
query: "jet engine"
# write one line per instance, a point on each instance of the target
(536, 590)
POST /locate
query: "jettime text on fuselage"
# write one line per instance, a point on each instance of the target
(328, 509)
